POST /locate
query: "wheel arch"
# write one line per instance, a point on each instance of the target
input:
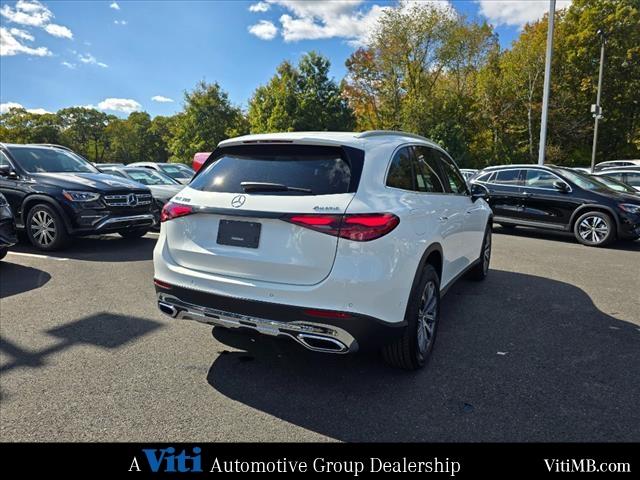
(32, 200)
(434, 256)
(593, 208)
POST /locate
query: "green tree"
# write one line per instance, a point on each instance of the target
(208, 118)
(84, 130)
(300, 98)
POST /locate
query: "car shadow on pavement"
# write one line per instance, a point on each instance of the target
(15, 279)
(564, 237)
(102, 330)
(106, 248)
(518, 358)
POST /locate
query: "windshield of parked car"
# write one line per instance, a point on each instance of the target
(616, 185)
(50, 160)
(176, 170)
(583, 180)
(149, 177)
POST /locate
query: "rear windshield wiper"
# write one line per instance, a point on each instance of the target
(271, 187)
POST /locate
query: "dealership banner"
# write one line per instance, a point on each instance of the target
(346, 460)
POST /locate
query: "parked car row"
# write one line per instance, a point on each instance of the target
(55, 194)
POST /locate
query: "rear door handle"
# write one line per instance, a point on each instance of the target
(444, 218)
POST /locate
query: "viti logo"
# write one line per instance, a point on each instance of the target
(166, 460)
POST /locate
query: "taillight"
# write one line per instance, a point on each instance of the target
(358, 227)
(174, 210)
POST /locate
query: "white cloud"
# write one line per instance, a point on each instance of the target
(90, 60)
(32, 13)
(59, 31)
(264, 30)
(69, 65)
(516, 13)
(120, 22)
(10, 45)
(353, 20)
(27, 12)
(125, 105)
(38, 111)
(115, 6)
(22, 34)
(259, 7)
(5, 107)
(161, 99)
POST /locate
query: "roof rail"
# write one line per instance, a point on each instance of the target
(54, 145)
(382, 133)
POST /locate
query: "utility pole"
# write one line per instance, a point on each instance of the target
(595, 109)
(547, 83)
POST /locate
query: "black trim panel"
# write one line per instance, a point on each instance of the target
(370, 332)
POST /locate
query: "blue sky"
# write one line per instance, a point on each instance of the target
(142, 55)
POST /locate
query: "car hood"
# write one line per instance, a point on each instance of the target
(98, 182)
(164, 192)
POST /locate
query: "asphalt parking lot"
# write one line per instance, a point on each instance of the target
(546, 349)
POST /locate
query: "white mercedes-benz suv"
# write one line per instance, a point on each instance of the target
(336, 240)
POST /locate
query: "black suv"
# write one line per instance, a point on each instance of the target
(562, 199)
(55, 194)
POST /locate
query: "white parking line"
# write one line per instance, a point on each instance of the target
(35, 255)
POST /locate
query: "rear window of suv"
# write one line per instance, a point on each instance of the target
(305, 169)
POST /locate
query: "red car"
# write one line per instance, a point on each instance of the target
(199, 159)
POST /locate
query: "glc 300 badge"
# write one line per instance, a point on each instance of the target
(326, 209)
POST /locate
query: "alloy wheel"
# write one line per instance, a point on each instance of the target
(593, 229)
(43, 228)
(427, 316)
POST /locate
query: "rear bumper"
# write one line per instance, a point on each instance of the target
(345, 332)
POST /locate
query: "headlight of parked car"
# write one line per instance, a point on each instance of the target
(76, 196)
(629, 208)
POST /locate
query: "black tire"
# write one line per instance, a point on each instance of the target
(481, 269)
(595, 229)
(410, 352)
(137, 233)
(507, 226)
(3, 252)
(45, 229)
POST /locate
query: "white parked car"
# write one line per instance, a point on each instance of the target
(616, 164)
(339, 241)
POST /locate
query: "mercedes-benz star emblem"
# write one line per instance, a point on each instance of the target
(132, 200)
(238, 201)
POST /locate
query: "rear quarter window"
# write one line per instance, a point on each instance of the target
(322, 170)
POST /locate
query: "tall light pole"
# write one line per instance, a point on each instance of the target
(595, 109)
(547, 83)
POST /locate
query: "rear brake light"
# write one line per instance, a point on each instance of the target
(357, 227)
(174, 210)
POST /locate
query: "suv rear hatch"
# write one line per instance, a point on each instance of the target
(262, 212)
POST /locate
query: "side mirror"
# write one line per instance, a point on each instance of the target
(479, 191)
(7, 171)
(561, 186)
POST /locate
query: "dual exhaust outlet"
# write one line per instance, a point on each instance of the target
(334, 341)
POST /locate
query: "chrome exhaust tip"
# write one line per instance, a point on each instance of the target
(319, 343)
(168, 309)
